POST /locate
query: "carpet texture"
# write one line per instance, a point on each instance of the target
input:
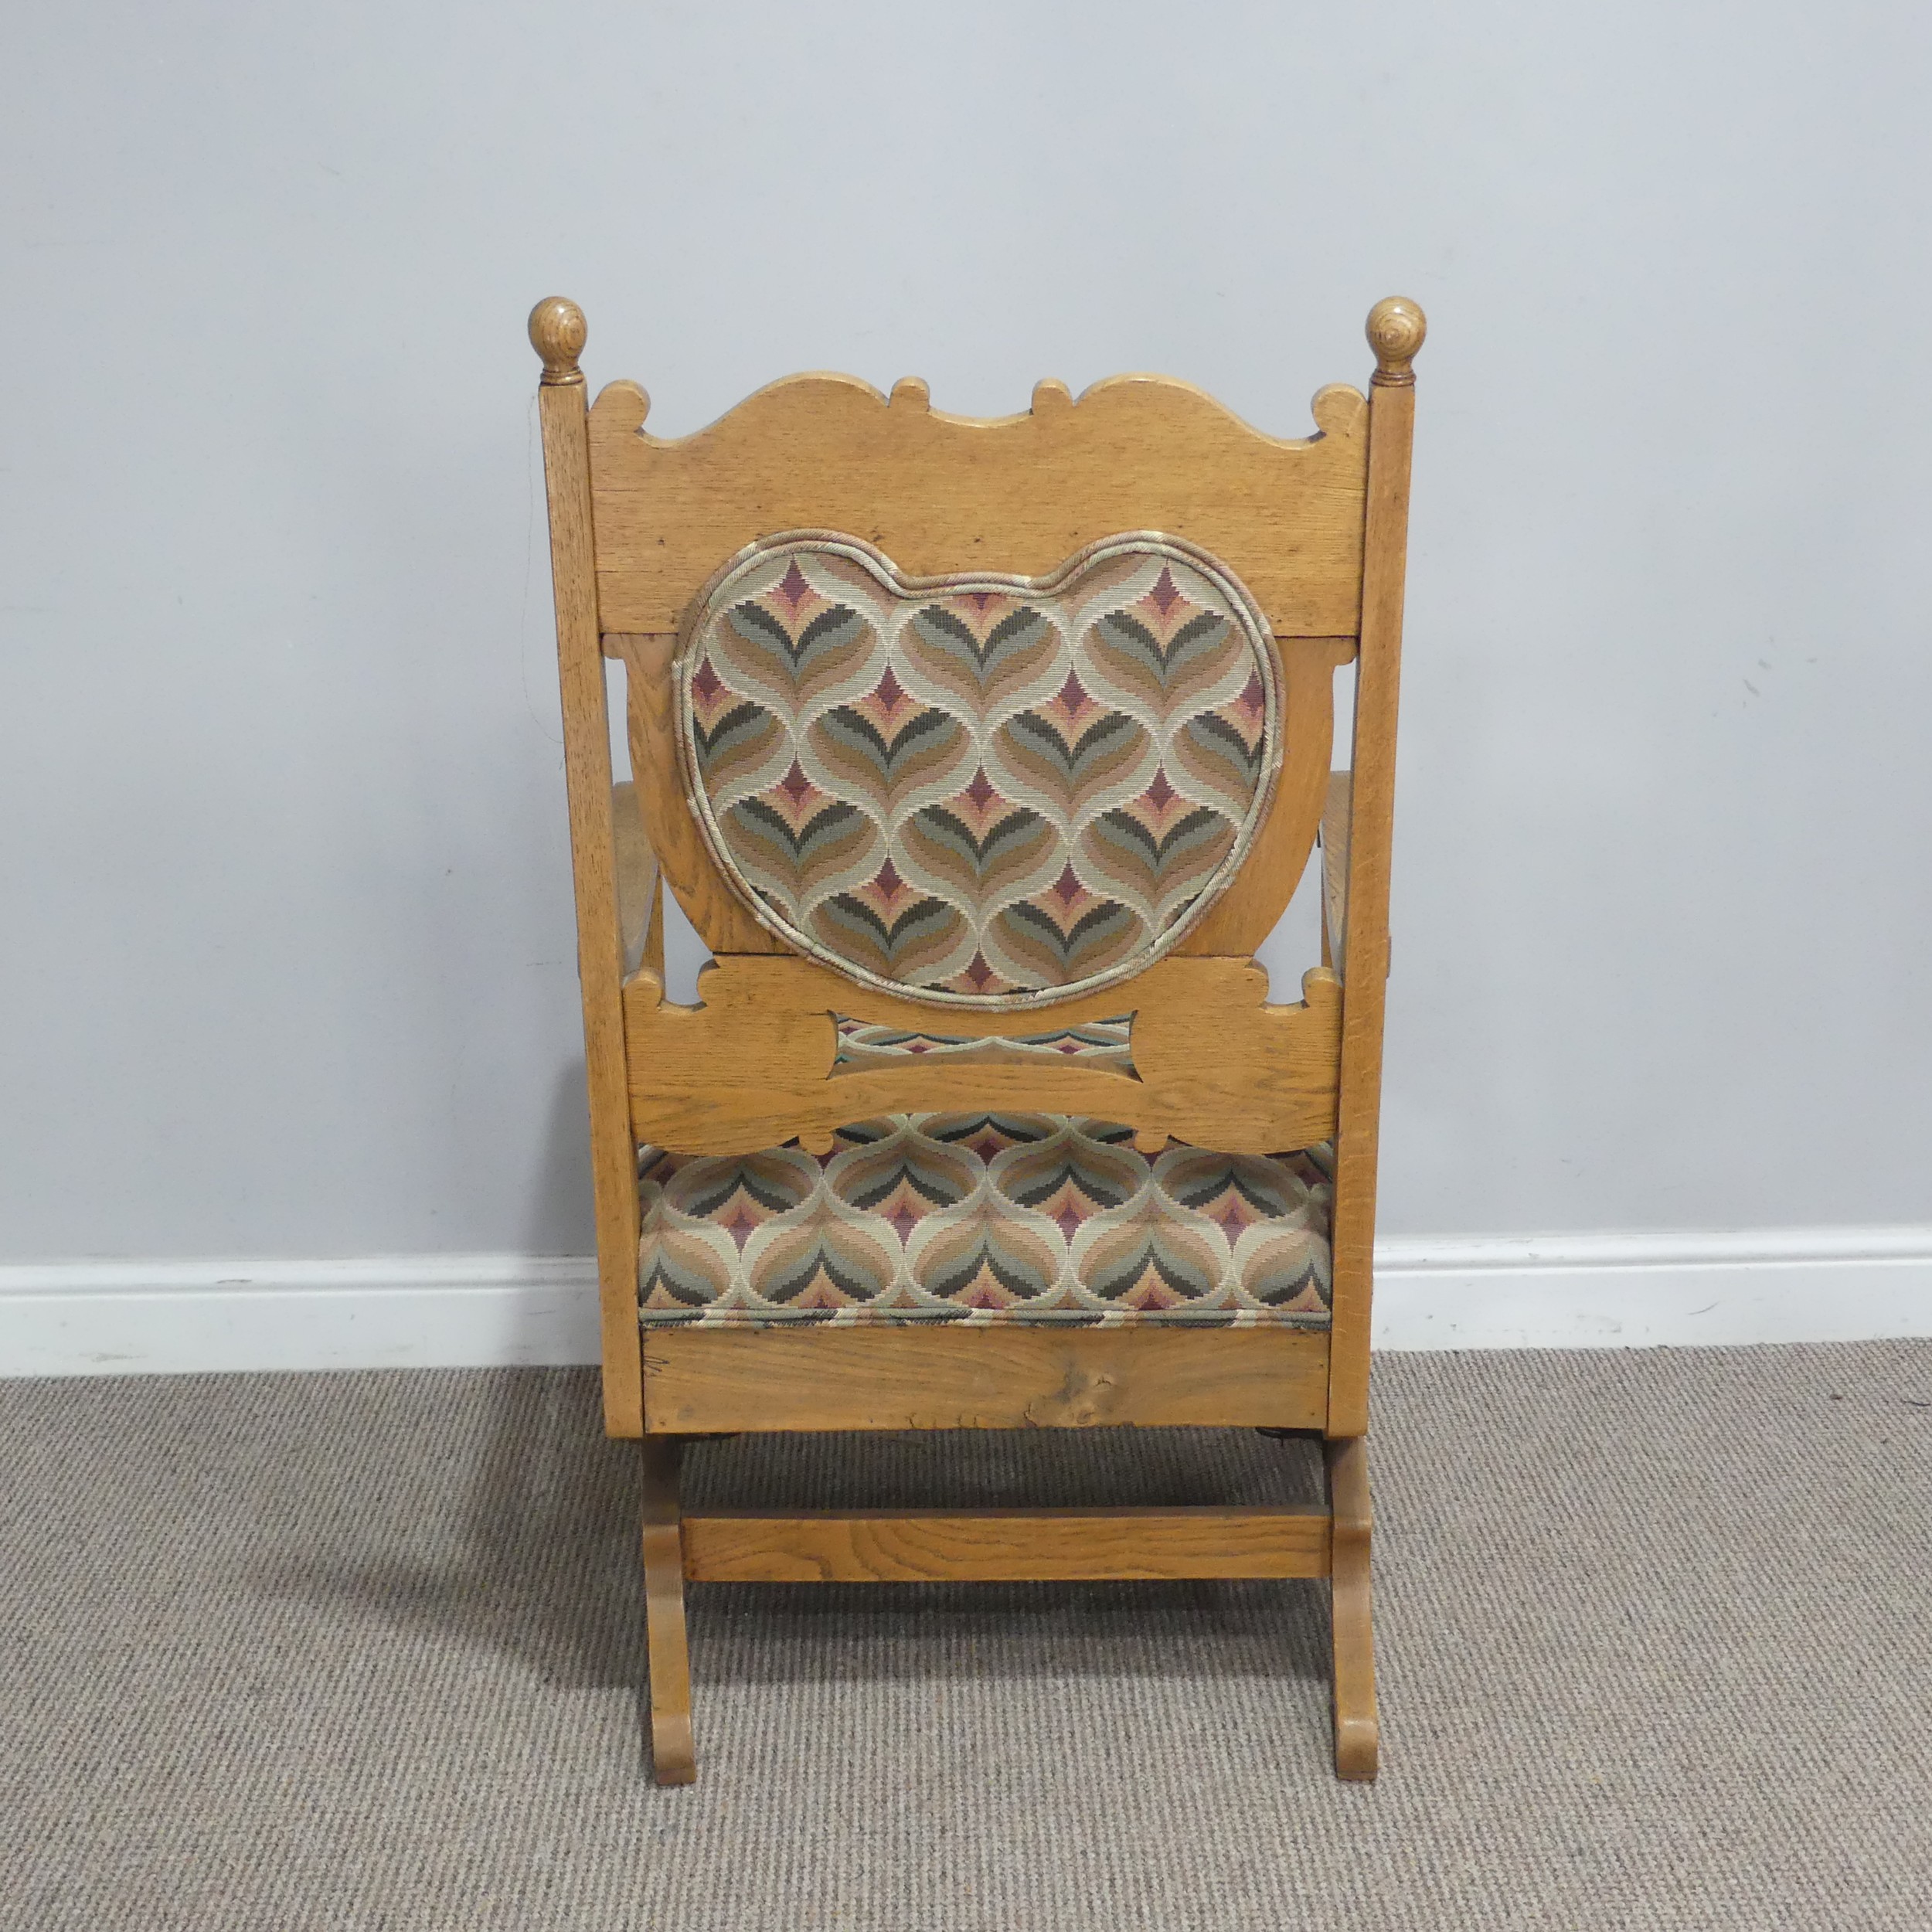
(361, 1651)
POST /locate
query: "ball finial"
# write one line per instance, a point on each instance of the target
(558, 332)
(1397, 326)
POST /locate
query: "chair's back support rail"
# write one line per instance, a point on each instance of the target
(1017, 493)
(1213, 1063)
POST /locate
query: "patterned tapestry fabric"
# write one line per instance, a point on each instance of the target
(983, 1219)
(981, 788)
(1101, 1043)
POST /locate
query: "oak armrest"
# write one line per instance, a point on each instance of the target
(1334, 868)
(637, 880)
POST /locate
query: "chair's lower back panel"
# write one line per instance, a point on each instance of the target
(696, 1381)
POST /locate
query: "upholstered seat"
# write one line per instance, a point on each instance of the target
(978, 1219)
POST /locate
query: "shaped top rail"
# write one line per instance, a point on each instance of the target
(940, 493)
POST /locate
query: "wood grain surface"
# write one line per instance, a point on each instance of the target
(667, 1657)
(940, 493)
(556, 330)
(1357, 1727)
(1215, 1063)
(1002, 1545)
(1005, 1377)
(1396, 330)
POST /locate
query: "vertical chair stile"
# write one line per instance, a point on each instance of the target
(1395, 331)
(558, 333)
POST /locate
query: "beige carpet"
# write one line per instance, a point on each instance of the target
(361, 1652)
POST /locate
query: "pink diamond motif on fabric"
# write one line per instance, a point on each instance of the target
(742, 1225)
(1161, 794)
(793, 587)
(1165, 594)
(707, 684)
(794, 784)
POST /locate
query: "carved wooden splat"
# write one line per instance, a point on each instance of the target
(1213, 1062)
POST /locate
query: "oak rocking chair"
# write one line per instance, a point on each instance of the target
(983, 755)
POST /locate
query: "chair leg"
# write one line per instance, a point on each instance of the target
(1357, 1733)
(668, 1659)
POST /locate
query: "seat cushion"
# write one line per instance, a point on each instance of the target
(982, 1219)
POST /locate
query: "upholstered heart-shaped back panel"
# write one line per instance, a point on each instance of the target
(982, 791)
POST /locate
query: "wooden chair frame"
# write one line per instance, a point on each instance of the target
(1316, 529)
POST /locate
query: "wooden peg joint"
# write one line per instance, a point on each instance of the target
(558, 332)
(1397, 326)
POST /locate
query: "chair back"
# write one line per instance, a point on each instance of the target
(983, 754)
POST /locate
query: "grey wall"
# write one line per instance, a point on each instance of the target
(288, 947)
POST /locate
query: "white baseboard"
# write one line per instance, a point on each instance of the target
(474, 1310)
(163, 1318)
(1654, 1291)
